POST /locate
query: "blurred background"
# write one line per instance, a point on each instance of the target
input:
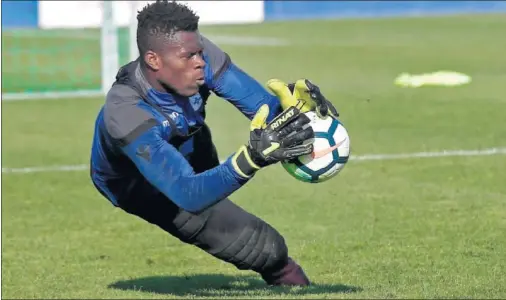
(418, 212)
(46, 41)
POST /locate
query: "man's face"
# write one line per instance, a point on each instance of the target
(179, 63)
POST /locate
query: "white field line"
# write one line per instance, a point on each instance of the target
(482, 152)
(358, 158)
(36, 96)
(234, 40)
(46, 169)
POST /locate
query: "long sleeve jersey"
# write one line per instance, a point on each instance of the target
(143, 135)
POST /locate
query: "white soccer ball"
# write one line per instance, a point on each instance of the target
(331, 151)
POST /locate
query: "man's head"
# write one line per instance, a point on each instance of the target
(170, 46)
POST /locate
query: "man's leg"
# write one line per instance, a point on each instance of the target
(233, 235)
(228, 233)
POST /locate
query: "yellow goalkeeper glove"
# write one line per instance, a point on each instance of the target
(303, 91)
(282, 139)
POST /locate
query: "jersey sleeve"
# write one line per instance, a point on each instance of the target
(230, 82)
(141, 138)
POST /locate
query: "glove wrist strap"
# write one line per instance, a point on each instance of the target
(243, 164)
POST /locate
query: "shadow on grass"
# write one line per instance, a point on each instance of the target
(208, 285)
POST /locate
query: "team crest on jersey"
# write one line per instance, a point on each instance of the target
(196, 102)
(174, 115)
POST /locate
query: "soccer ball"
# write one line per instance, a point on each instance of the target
(331, 151)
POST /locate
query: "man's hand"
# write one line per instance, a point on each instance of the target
(304, 91)
(281, 139)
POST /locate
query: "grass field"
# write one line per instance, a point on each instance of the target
(407, 228)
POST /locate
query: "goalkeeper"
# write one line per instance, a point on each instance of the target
(152, 152)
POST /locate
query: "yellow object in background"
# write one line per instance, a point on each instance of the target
(440, 78)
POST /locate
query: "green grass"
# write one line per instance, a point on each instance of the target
(413, 228)
(54, 60)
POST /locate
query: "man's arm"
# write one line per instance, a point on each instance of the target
(166, 169)
(228, 81)
(143, 139)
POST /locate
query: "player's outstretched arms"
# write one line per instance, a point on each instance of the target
(281, 139)
(167, 169)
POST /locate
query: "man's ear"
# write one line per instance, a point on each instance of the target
(152, 60)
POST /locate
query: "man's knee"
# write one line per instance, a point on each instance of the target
(233, 235)
(259, 247)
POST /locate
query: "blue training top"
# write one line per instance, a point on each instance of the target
(142, 134)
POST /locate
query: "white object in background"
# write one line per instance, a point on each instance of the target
(440, 78)
(132, 31)
(85, 14)
(108, 46)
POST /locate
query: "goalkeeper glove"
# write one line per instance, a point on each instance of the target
(282, 139)
(305, 91)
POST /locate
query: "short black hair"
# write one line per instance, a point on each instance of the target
(162, 19)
